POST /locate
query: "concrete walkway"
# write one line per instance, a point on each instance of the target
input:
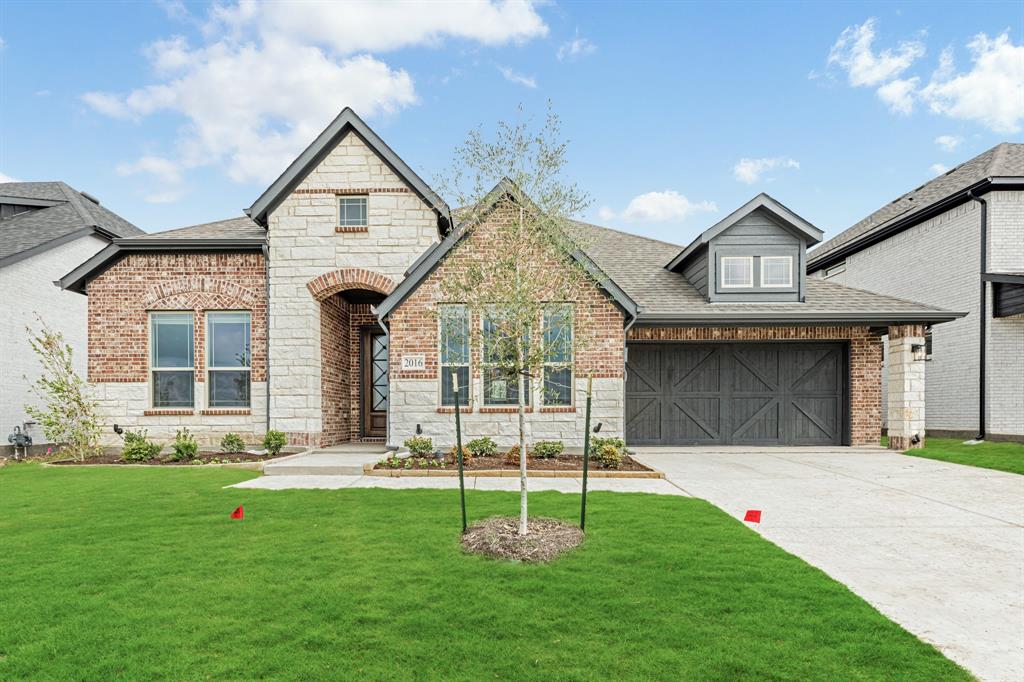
(338, 460)
(937, 547)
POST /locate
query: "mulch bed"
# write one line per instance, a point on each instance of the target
(561, 463)
(162, 460)
(499, 538)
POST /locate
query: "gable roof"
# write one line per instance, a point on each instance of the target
(347, 121)
(65, 214)
(1002, 164)
(761, 201)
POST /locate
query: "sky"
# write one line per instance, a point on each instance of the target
(176, 113)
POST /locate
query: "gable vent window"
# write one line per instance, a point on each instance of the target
(352, 211)
(737, 272)
(777, 271)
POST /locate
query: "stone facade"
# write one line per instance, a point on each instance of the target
(865, 360)
(305, 245)
(906, 380)
(120, 300)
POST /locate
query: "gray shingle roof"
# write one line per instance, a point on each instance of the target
(1003, 160)
(36, 228)
(231, 228)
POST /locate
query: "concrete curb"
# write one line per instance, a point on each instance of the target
(368, 470)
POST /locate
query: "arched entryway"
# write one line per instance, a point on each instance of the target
(354, 355)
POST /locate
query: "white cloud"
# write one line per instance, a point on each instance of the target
(575, 49)
(750, 170)
(606, 213)
(898, 95)
(4, 177)
(938, 168)
(518, 78)
(165, 170)
(991, 93)
(269, 76)
(657, 207)
(853, 52)
(948, 143)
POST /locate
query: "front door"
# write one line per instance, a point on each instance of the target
(375, 383)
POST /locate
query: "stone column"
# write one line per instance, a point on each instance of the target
(906, 386)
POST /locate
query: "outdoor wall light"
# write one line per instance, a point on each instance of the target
(918, 350)
(597, 428)
(419, 430)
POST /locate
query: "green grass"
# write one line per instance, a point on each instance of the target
(988, 455)
(140, 574)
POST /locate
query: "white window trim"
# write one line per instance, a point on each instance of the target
(561, 365)
(750, 271)
(209, 360)
(788, 284)
(464, 391)
(341, 198)
(153, 368)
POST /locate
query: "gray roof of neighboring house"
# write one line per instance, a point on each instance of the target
(241, 227)
(637, 265)
(69, 215)
(1005, 160)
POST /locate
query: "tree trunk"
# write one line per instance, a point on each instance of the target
(522, 456)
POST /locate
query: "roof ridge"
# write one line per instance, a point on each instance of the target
(75, 199)
(998, 154)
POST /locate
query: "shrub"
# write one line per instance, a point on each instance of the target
(512, 456)
(466, 454)
(547, 449)
(184, 446)
(596, 443)
(232, 442)
(482, 447)
(608, 456)
(274, 441)
(137, 447)
(419, 446)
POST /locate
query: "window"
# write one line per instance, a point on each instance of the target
(172, 359)
(454, 341)
(352, 211)
(229, 359)
(928, 343)
(557, 379)
(737, 272)
(500, 386)
(777, 271)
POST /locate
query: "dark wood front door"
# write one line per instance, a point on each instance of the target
(736, 394)
(374, 385)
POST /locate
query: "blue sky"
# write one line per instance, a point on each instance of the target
(178, 113)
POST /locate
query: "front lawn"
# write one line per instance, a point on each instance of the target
(140, 574)
(989, 455)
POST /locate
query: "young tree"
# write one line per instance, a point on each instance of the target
(518, 281)
(68, 414)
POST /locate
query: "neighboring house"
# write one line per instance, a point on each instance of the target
(928, 245)
(313, 315)
(46, 228)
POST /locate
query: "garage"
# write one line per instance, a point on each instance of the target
(736, 393)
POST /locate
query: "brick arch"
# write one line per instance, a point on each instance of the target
(344, 279)
(200, 292)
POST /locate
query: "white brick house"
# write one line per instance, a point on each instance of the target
(926, 246)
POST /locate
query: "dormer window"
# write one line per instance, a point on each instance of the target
(352, 211)
(737, 272)
(777, 271)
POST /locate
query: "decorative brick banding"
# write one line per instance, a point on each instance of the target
(351, 190)
(226, 411)
(345, 279)
(451, 410)
(166, 413)
(351, 229)
(557, 410)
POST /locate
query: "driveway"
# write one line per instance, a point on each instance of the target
(936, 547)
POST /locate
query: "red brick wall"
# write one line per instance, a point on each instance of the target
(122, 296)
(865, 362)
(335, 370)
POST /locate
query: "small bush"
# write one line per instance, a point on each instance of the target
(512, 456)
(419, 446)
(274, 441)
(232, 442)
(453, 455)
(597, 443)
(548, 449)
(137, 447)
(608, 456)
(482, 447)
(184, 446)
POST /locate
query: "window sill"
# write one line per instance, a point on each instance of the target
(351, 228)
(464, 409)
(558, 408)
(504, 409)
(226, 411)
(168, 412)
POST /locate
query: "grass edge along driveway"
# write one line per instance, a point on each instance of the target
(1001, 456)
(139, 573)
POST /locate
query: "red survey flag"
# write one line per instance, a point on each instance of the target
(238, 513)
(752, 515)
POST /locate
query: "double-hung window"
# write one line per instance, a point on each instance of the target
(172, 359)
(229, 358)
(501, 383)
(454, 341)
(557, 386)
(776, 272)
(737, 272)
(352, 211)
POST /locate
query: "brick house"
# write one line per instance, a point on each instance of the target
(315, 315)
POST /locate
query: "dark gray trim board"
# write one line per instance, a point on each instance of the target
(347, 121)
(1003, 277)
(25, 201)
(46, 246)
(746, 319)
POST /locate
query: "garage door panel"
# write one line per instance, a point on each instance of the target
(755, 370)
(755, 420)
(644, 420)
(814, 420)
(695, 420)
(695, 370)
(814, 371)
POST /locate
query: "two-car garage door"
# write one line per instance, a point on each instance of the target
(736, 394)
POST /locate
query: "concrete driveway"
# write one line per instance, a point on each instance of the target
(936, 547)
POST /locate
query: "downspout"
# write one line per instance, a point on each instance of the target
(266, 270)
(983, 316)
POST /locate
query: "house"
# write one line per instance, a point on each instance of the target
(956, 242)
(46, 228)
(313, 315)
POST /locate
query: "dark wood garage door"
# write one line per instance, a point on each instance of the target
(736, 394)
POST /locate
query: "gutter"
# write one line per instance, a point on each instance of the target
(796, 317)
(983, 316)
